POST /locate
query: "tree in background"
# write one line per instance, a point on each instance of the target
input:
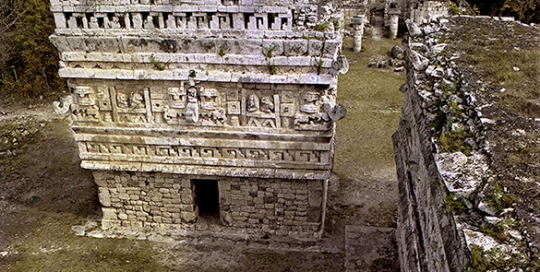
(28, 60)
(9, 21)
(527, 11)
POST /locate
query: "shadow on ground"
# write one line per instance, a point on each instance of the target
(43, 193)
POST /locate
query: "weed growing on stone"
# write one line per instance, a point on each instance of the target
(498, 260)
(271, 66)
(336, 23)
(499, 199)
(454, 204)
(322, 27)
(221, 52)
(319, 65)
(268, 53)
(158, 65)
(453, 141)
(496, 230)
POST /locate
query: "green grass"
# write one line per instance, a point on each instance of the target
(495, 50)
(373, 102)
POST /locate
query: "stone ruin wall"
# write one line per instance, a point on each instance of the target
(138, 200)
(448, 212)
(396, 12)
(353, 8)
(427, 235)
(427, 10)
(168, 92)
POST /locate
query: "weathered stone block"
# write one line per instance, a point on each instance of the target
(109, 214)
(315, 198)
(189, 217)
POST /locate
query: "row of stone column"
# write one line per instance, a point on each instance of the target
(357, 23)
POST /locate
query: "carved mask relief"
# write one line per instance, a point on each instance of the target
(267, 104)
(85, 108)
(309, 102)
(253, 103)
(205, 105)
(85, 96)
(177, 98)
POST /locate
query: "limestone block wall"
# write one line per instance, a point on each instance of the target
(196, 36)
(157, 201)
(424, 10)
(281, 207)
(427, 234)
(139, 200)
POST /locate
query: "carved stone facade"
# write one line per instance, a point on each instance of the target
(169, 94)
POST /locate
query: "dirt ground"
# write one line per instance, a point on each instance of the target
(44, 193)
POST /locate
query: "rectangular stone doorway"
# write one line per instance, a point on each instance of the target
(207, 197)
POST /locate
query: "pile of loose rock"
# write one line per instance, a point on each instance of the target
(395, 61)
(448, 100)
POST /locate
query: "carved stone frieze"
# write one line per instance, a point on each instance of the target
(204, 105)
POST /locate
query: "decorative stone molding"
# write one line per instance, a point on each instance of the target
(219, 91)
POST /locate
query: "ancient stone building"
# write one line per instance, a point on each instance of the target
(202, 109)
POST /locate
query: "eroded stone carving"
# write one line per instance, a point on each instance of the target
(177, 92)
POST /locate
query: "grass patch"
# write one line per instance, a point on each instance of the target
(158, 65)
(499, 199)
(507, 58)
(51, 246)
(373, 102)
(454, 204)
(498, 260)
(322, 27)
(454, 141)
(496, 230)
(270, 261)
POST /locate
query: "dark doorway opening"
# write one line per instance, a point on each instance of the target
(207, 197)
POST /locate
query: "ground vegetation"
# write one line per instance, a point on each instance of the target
(527, 11)
(28, 61)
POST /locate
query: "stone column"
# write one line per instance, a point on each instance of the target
(357, 23)
(394, 22)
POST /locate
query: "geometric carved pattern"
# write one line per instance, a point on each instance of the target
(177, 151)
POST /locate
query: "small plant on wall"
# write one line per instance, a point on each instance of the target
(268, 53)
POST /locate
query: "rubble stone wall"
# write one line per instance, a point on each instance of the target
(453, 201)
(427, 235)
(424, 10)
(150, 201)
